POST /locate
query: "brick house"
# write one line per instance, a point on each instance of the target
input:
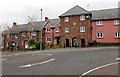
(19, 35)
(75, 25)
(106, 26)
(52, 32)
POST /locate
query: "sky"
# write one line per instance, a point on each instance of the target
(19, 10)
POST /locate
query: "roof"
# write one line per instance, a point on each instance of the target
(105, 14)
(77, 10)
(52, 22)
(31, 26)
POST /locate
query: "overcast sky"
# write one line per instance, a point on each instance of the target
(18, 10)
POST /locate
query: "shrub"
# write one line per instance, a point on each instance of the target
(31, 42)
(10, 47)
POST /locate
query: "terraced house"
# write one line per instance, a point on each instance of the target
(19, 35)
(74, 28)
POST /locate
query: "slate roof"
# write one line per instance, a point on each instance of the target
(35, 26)
(105, 14)
(52, 22)
(77, 10)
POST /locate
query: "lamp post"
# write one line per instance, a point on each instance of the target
(41, 40)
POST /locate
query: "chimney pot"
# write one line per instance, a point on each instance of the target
(14, 23)
(46, 18)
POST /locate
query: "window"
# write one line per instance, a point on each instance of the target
(99, 22)
(82, 29)
(67, 29)
(82, 18)
(116, 22)
(66, 19)
(23, 33)
(33, 33)
(48, 30)
(117, 34)
(99, 35)
(57, 30)
(48, 39)
(22, 42)
(16, 36)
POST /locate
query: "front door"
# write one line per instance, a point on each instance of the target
(67, 42)
(57, 40)
(82, 42)
(26, 44)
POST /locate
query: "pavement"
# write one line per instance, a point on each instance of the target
(63, 61)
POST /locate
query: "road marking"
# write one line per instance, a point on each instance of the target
(98, 68)
(3, 59)
(30, 65)
(47, 54)
(117, 58)
(16, 54)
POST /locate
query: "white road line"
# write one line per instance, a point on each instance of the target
(3, 59)
(16, 54)
(47, 54)
(98, 68)
(30, 65)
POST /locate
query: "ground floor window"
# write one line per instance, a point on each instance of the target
(99, 35)
(117, 34)
(48, 39)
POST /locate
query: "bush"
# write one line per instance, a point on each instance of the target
(10, 47)
(31, 42)
(94, 43)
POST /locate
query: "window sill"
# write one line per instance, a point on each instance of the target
(57, 31)
(99, 37)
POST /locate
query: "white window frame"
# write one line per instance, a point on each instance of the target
(48, 39)
(57, 29)
(23, 33)
(66, 19)
(116, 22)
(34, 34)
(99, 34)
(99, 23)
(66, 29)
(82, 17)
(16, 35)
(118, 34)
(82, 29)
(48, 30)
(22, 42)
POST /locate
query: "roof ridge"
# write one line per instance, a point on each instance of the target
(104, 9)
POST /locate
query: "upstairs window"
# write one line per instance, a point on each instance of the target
(23, 33)
(117, 22)
(48, 30)
(82, 18)
(16, 35)
(57, 29)
(67, 29)
(99, 23)
(66, 19)
(99, 35)
(117, 34)
(33, 33)
(82, 29)
(48, 39)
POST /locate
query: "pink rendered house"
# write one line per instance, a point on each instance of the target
(106, 26)
(52, 32)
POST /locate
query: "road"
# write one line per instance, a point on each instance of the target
(69, 61)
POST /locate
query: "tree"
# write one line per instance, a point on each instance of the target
(31, 20)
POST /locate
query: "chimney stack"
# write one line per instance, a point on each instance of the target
(46, 18)
(14, 23)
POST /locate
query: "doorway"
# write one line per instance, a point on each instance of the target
(58, 40)
(74, 42)
(26, 44)
(67, 42)
(82, 42)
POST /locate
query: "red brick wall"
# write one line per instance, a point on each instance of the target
(74, 31)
